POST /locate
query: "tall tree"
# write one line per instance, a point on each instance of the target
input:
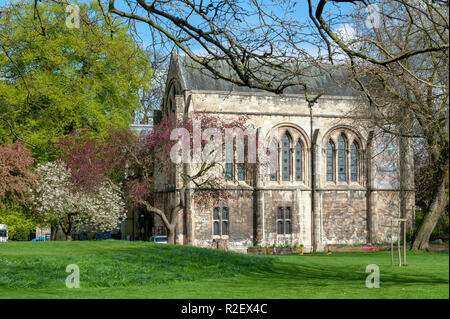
(404, 50)
(151, 99)
(56, 77)
(250, 37)
(402, 45)
(16, 180)
(16, 175)
(58, 200)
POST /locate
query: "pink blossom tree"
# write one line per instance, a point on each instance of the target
(16, 175)
(140, 164)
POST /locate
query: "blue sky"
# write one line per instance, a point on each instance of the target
(300, 10)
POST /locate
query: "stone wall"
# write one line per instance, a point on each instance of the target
(241, 222)
(344, 217)
(273, 199)
(388, 207)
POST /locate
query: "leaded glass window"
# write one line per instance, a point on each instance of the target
(241, 171)
(225, 213)
(284, 225)
(298, 161)
(273, 160)
(286, 158)
(354, 162)
(280, 220)
(287, 221)
(224, 227)
(216, 221)
(229, 171)
(287, 214)
(216, 214)
(220, 221)
(342, 169)
(280, 213)
(330, 161)
(216, 228)
(280, 227)
(288, 227)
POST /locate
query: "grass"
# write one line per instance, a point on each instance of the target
(121, 269)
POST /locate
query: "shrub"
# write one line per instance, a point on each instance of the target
(19, 223)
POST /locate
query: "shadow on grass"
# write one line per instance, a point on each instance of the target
(344, 270)
(125, 264)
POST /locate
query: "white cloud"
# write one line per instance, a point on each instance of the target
(346, 32)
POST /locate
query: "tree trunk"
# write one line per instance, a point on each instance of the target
(173, 223)
(67, 230)
(435, 209)
(170, 225)
(170, 236)
(69, 236)
(53, 231)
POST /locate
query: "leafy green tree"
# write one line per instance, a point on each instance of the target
(55, 79)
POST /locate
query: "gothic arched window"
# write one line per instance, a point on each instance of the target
(229, 163)
(273, 159)
(298, 161)
(241, 171)
(286, 157)
(229, 171)
(354, 162)
(342, 168)
(344, 156)
(330, 156)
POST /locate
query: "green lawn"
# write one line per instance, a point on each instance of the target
(121, 269)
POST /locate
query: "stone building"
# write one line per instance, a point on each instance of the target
(338, 181)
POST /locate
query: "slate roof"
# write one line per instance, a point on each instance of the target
(327, 79)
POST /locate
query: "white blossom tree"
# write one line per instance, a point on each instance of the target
(57, 200)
